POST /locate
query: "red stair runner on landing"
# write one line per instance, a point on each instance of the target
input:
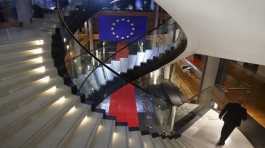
(123, 101)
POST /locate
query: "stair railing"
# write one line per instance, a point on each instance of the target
(103, 63)
(111, 57)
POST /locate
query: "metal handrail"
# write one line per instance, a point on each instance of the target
(102, 63)
(118, 51)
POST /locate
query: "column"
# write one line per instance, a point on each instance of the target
(167, 72)
(210, 72)
(222, 71)
(261, 70)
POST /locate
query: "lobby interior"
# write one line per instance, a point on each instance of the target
(161, 81)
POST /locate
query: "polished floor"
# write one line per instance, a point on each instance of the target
(240, 84)
(189, 84)
(205, 133)
(253, 97)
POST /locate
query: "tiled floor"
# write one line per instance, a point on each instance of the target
(205, 133)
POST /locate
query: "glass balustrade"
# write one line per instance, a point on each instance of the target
(98, 68)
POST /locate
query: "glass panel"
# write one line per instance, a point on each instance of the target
(97, 69)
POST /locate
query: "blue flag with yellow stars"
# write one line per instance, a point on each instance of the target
(122, 28)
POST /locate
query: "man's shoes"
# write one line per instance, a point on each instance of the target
(220, 143)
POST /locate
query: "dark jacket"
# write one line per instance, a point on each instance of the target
(233, 113)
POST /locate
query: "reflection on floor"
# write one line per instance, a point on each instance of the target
(189, 84)
(253, 96)
(205, 133)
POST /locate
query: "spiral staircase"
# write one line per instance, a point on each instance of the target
(106, 82)
(38, 110)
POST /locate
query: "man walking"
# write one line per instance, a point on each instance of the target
(232, 115)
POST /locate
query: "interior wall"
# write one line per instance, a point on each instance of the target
(230, 29)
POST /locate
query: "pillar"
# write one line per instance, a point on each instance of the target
(210, 72)
(167, 72)
(261, 70)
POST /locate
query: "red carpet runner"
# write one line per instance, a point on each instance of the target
(123, 101)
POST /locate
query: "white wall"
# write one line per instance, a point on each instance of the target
(231, 29)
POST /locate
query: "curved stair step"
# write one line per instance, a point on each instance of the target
(83, 135)
(24, 78)
(135, 140)
(176, 143)
(131, 61)
(167, 143)
(109, 74)
(120, 137)
(103, 135)
(148, 55)
(39, 125)
(158, 142)
(140, 58)
(22, 112)
(183, 143)
(19, 46)
(124, 65)
(115, 65)
(33, 89)
(15, 60)
(147, 140)
(64, 128)
(27, 54)
(10, 69)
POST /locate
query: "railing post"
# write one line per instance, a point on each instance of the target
(173, 116)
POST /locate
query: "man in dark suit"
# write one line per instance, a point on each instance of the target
(232, 115)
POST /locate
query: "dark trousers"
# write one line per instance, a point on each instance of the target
(226, 131)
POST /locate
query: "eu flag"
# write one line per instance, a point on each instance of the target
(122, 28)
